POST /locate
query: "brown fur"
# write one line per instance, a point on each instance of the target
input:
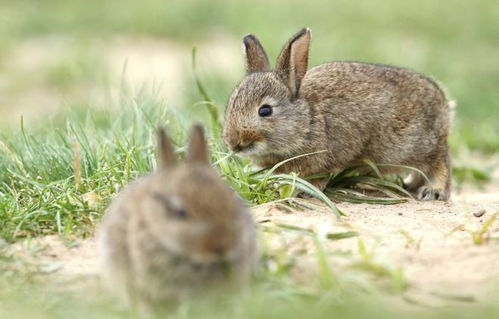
(353, 110)
(170, 235)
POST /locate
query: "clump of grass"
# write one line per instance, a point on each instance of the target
(372, 182)
(45, 187)
(481, 235)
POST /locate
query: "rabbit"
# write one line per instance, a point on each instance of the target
(177, 233)
(350, 111)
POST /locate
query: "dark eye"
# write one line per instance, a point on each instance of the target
(180, 213)
(165, 202)
(265, 110)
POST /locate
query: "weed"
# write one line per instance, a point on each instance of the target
(481, 235)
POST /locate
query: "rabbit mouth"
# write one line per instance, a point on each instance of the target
(256, 148)
(246, 149)
(223, 264)
(213, 270)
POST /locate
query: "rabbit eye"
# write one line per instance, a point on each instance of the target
(180, 213)
(170, 208)
(265, 110)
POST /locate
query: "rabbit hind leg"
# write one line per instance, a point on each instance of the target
(440, 178)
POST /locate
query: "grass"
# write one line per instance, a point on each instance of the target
(481, 235)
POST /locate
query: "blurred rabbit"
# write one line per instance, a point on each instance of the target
(176, 233)
(352, 110)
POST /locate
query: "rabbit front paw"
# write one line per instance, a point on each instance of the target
(427, 193)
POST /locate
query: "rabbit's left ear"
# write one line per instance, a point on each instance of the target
(256, 58)
(197, 150)
(166, 155)
(292, 63)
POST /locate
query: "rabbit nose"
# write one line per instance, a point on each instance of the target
(231, 140)
(216, 245)
(241, 140)
(219, 250)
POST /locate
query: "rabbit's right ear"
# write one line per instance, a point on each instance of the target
(292, 63)
(166, 156)
(256, 58)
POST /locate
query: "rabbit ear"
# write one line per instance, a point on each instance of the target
(256, 58)
(292, 63)
(166, 156)
(197, 150)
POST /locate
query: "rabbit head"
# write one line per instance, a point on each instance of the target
(265, 109)
(189, 209)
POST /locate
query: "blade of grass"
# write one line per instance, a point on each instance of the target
(308, 188)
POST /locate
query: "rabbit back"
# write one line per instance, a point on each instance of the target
(384, 113)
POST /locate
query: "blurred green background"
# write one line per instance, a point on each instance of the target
(57, 54)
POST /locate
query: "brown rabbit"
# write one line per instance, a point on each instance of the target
(176, 233)
(352, 110)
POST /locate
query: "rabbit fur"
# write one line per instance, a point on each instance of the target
(351, 110)
(176, 233)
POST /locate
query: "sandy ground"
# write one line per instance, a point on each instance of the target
(431, 242)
